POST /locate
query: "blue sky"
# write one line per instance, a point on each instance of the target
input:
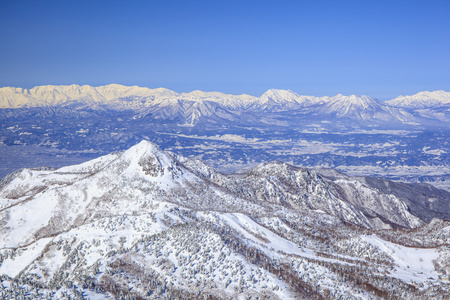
(378, 48)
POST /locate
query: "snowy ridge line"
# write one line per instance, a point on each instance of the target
(190, 109)
(50, 95)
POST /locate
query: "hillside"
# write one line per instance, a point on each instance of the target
(145, 223)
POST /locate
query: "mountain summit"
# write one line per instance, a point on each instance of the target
(422, 100)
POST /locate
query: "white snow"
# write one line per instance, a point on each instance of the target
(413, 264)
(12, 267)
(251, 230)
(422, 99)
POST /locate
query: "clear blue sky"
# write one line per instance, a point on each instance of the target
(378, 48)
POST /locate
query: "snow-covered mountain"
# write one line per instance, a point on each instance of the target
(284, 100)
(163, 103)
(362, 108)
(422, 100)
(147, 224)
(51, 95)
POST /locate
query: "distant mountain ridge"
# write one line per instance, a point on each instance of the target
(188, 108)
(47, 95)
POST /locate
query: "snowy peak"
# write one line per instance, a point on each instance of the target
(56, 200)
(346, 104)
(280, 95)
(142, 149)
(204, 95)
(358, 107)
(362, 101)
(424, 99)
(146, 158)
(276, 97)
(117, 91)
(226, 100)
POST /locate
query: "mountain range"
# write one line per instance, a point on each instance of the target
(11, 97)
(189, 107)
(150, 224)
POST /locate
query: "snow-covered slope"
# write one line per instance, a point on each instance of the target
(147, 224)
(351, 199)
